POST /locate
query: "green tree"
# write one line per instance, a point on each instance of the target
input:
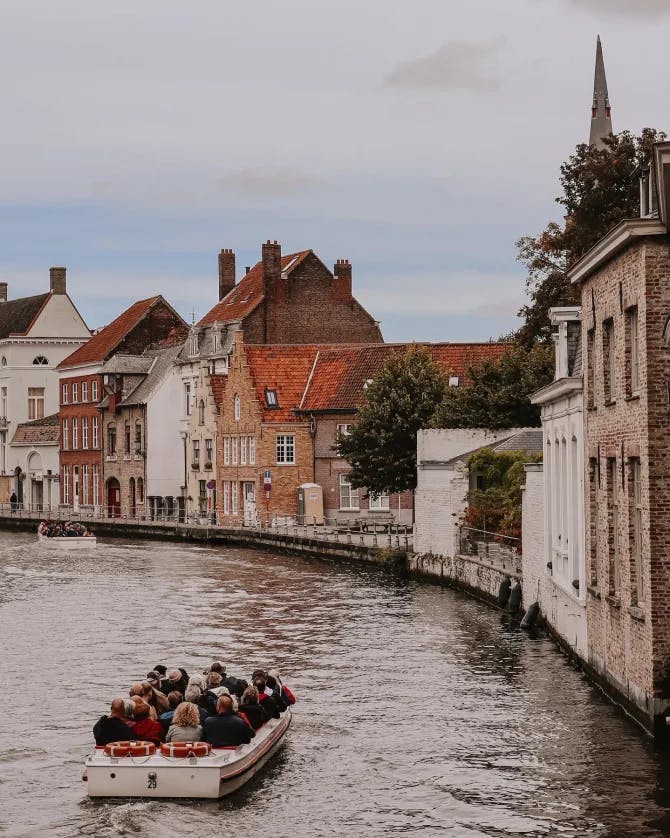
(600, 189)
(498, 395)
(401, 400)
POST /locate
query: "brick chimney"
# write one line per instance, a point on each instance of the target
(275, 290)
(342, 273)
(57, 280)
(3, 292)
(226, 272)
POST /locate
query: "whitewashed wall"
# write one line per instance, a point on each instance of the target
(165, 448)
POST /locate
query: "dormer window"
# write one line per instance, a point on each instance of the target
(271, 398)
(193, 345)
(41, 361)
(216, 341)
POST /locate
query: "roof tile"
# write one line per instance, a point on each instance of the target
(38, 431)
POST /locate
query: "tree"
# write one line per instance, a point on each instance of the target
(600, 189)
(498, 395)
(402, 399)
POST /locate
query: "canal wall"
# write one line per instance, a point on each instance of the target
(473, 574)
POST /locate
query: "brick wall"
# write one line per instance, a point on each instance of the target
(128, 467)
(77, 458)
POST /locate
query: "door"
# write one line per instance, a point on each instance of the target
(113, 498)
(37, 499)
(75, 489)
(249, 495)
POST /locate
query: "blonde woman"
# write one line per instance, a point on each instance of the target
(185, 725)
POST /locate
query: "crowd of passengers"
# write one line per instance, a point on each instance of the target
(170, 706)
(60, 529)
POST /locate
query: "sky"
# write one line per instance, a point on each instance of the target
(419, 140)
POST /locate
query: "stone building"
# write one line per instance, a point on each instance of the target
(86, 390)
(625, 300)
(36, 444)
(291, 299)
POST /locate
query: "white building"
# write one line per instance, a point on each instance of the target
(554, 563)
(36, 334)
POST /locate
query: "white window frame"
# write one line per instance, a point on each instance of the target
(95, 432)
(235, 497)
(352, 495)
(243, 451)
(94, 391)
(96, 485)
(84, 391)
(285, 449)
(35, 403)
(75, 433)
(66, 436)
(84, 482)
(252, 451)
(226, 497)
(187, 398)
(379, 503)
(342, 429)
(75, 392)
(233, 445)
(64, 394)
(226, 450)
(84, 432)
(237, 408)
(195, 451)
(66, 485)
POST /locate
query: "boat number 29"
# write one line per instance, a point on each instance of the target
(152, 779)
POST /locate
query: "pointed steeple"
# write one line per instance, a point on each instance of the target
(601, 112)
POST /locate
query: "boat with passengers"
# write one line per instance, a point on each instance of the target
(240, 730)
(65, 534)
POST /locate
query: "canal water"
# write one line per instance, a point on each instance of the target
(421, 712)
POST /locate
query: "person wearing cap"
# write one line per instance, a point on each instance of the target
(113, 728)
(145, 727)
(226, 728)
(175, 680)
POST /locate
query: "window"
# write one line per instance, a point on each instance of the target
(271, 398)
(75, 392)
(226, 450)
(111, 440)
(454, 381)
(96, 432)
(75, 434)
(379, 503)
(66, 485)
(138, 438)
(85, 496)
(226, 497)
(3, 402)
(196, 452)
(84, 391)
(193, 345)
(202, 496)
(201, 412)
(126, 439)
(243, 450)
(96, 485)
(237, 408)
(140, 490)
(41, 361)
(286, 449)
(594, 480)
(252, 451)
(64, 395)
(635, 484)
(608, 360)
(234, 493)
(632, 352)
(233, 445)
(348, 496)
(208, 452)
(343, 429)
(590, 378)
(94, 391)
(35, 403)
(187, 399)
(613, 525)
(84, 433)
(66, 439)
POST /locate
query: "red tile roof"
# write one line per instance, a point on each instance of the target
(284, 369)
(218, 385)
(248, 293)
(102, 344)
(339, 375)
(39, 431)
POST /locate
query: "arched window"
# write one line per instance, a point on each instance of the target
(111, 440)
(237, 407)
(201, 412)
(126, 439)
(3, 361)
(138, 437)
(41, 361)
(140, 490)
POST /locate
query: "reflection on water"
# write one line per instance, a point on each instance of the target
(420, 711)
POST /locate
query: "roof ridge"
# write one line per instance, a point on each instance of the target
(309, 378)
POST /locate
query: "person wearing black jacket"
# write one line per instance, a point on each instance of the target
(226, 728)
(112, 728)
(252, 708)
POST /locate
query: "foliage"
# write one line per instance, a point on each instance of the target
(498, 393)
(600, 189)
(497, 507)
(401, 400)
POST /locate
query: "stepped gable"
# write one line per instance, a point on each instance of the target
(17, 316)
(248, 294)
(218, 385)
(39, 431)
(340, 374)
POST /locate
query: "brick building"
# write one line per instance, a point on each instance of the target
(291, 299)
(625, 298)
(86, 390)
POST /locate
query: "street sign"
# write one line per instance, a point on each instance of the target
(211, 484)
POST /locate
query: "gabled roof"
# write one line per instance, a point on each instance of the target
(102, 344)
(17, 316)
(161, 361)
(340, 374)
(38, 432)
(218, 385)
(248, 293)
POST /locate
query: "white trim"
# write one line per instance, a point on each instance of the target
(607, 247)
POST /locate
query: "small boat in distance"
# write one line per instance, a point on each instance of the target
(65, 534)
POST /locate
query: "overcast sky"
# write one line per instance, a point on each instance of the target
(420, 140)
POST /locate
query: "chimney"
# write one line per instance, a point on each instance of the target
(342, 273)
(57, 280)
(274, 290)
(226, 272)
(3, 292)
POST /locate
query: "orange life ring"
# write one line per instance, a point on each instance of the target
(130, 749)
(182, 750)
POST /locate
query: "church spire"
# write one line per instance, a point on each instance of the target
(601, 112)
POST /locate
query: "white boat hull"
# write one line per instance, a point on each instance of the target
(216, 775)
(68, 542)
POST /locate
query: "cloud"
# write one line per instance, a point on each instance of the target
(628, 8)
(456, 65)
(271, 181)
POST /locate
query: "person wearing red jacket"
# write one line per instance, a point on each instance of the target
(144, 727)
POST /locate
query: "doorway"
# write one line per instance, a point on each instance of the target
(249, 495)
(113, 498)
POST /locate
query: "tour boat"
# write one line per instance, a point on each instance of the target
(69, 542)
(180, 769)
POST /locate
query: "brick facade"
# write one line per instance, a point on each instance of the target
(81, 463)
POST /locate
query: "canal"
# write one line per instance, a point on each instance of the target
(421, 712)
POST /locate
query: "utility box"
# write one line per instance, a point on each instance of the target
(310, 504)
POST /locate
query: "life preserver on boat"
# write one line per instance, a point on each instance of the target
(130, 749)
(182, 750)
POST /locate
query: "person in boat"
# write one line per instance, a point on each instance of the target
(114, 727)
(194, 695)
(176, 680)
(185, 725)
(145, 727)
(174, 700)
(155, 698)
(274, 681)
(226, 728)
(273, 704)
(235, 686)
(251, 709)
